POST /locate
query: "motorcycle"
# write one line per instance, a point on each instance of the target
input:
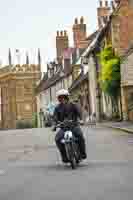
(71, 143)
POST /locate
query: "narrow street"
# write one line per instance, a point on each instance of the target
(30, 167)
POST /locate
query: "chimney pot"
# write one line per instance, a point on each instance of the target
(101, 4)
(82, 20)
(106, 4)
(57, 33)
(76, 20)
(65, 33)
(61, 33)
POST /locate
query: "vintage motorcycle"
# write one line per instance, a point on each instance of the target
(71, 143)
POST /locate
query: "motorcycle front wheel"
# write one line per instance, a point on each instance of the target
(71, 155)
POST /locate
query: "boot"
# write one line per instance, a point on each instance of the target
(62, 152)
(83, 149)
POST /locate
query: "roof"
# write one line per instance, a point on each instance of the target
(78, 80)
(5, 69)
(51, 81)
(93, 42)
(92, 36)
(40, 85)
(128, 52)
(96, 38)
(48, 82)
(87, 50)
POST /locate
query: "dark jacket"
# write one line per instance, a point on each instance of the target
(67, 111)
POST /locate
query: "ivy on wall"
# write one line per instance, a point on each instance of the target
(110, 74)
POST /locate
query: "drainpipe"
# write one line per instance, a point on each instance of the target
(50, 95)
(98, 91)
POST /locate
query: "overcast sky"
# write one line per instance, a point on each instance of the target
(31, 24)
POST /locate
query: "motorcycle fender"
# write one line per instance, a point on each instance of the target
(68, 135)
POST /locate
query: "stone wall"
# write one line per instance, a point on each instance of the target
(18, 100)
(127, 71)
(127, 87)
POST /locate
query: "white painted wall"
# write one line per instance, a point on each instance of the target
(92, 84)
(107, 106)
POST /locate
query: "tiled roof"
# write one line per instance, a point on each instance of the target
(92, 36)
(51, 81)
(40, 85)
(48, 82)
(128, 51)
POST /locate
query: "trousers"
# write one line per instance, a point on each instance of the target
(77, 132)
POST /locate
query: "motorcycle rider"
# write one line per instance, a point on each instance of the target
(66, 110)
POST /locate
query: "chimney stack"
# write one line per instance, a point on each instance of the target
(62, 42)
(106, 4)
(79, 33)
(101, 3)
(103, 12)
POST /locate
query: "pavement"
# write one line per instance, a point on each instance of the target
(126, 126)
(37, 173)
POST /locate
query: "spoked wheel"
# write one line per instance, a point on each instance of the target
(71, 155)
(77, 153)
(73, 158)
(73, 163)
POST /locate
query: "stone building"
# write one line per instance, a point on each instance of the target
(115, 27)
(50, 84)
(17, 93)
(82, 86)
(127, 84)
(59, 73)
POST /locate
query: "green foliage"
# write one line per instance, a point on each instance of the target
(34, 121)
(23, 124)
(110, 77)
(110, 72)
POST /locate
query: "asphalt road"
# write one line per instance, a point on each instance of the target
(35, 172)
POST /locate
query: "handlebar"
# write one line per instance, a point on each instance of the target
(69, 122)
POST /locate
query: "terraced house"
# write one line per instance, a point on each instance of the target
(84, 66)
(60, 72)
